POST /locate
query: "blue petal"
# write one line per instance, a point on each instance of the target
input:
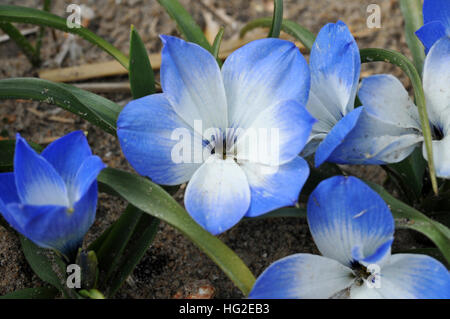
(335, 68)
(145, 129)
(275, 187)
(39, 223)
(302, 276)
(374, 141)
(336, 136)
(409, 276)
(262, 74)
(191, 80)
(430, 33)
(86, 176)
(436, 16)
(8, 190)
(37, 181)
(8, 195)
(437, 10)
(343, 212)
(66, 155)
(218, 195)
(280, 132)
(383, 251)
(54, 226)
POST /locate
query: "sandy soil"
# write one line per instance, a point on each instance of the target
(257, 242)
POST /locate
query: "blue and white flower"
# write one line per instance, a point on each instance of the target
(353, 229)
(436, 16)
(389, 126)
(51, 198)
(335, 69)
(264, 84)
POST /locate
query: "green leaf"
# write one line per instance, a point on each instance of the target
(407, 217)
(51, 270)
(89, 106)
(42, 265)
(7, 148)
(410, 172)
(32, 293)
(277, 19)
(302, 34)
(412, 13)
(140, 241)
(98, 242)
(389, 56)
(22, 42)
(186, 24)
(20, 14)
(142, 79)
(92, 294)
(113, 246)
(153, 200)
(216, 45)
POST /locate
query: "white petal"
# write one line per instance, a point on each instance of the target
(335, 66)
(408, 276)
(262, 74)
(302, 276)
(346, 216)
(389, 101)
(441, 156)
(277, 135)
(192, 82)
(436, 83)
(218, 195)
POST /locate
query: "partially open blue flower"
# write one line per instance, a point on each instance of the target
(335, 68)
(353, 229)
(389, 126)
(51, 198)
(436, 16)
(263, 85)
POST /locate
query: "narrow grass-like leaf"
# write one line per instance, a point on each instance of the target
(407, 217)
(143, 236)
(277, 19)
(20, 14)
(389, 56)
(292, 28)
(51, 270)
(22, 42)
(32, 293)
(98, 242)
(216, 45)
(89, 106)
(142, 79)
(412, 13)
(186, 24)
(410, 172)
(42, 266)
(111, 250)
(153, 200)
